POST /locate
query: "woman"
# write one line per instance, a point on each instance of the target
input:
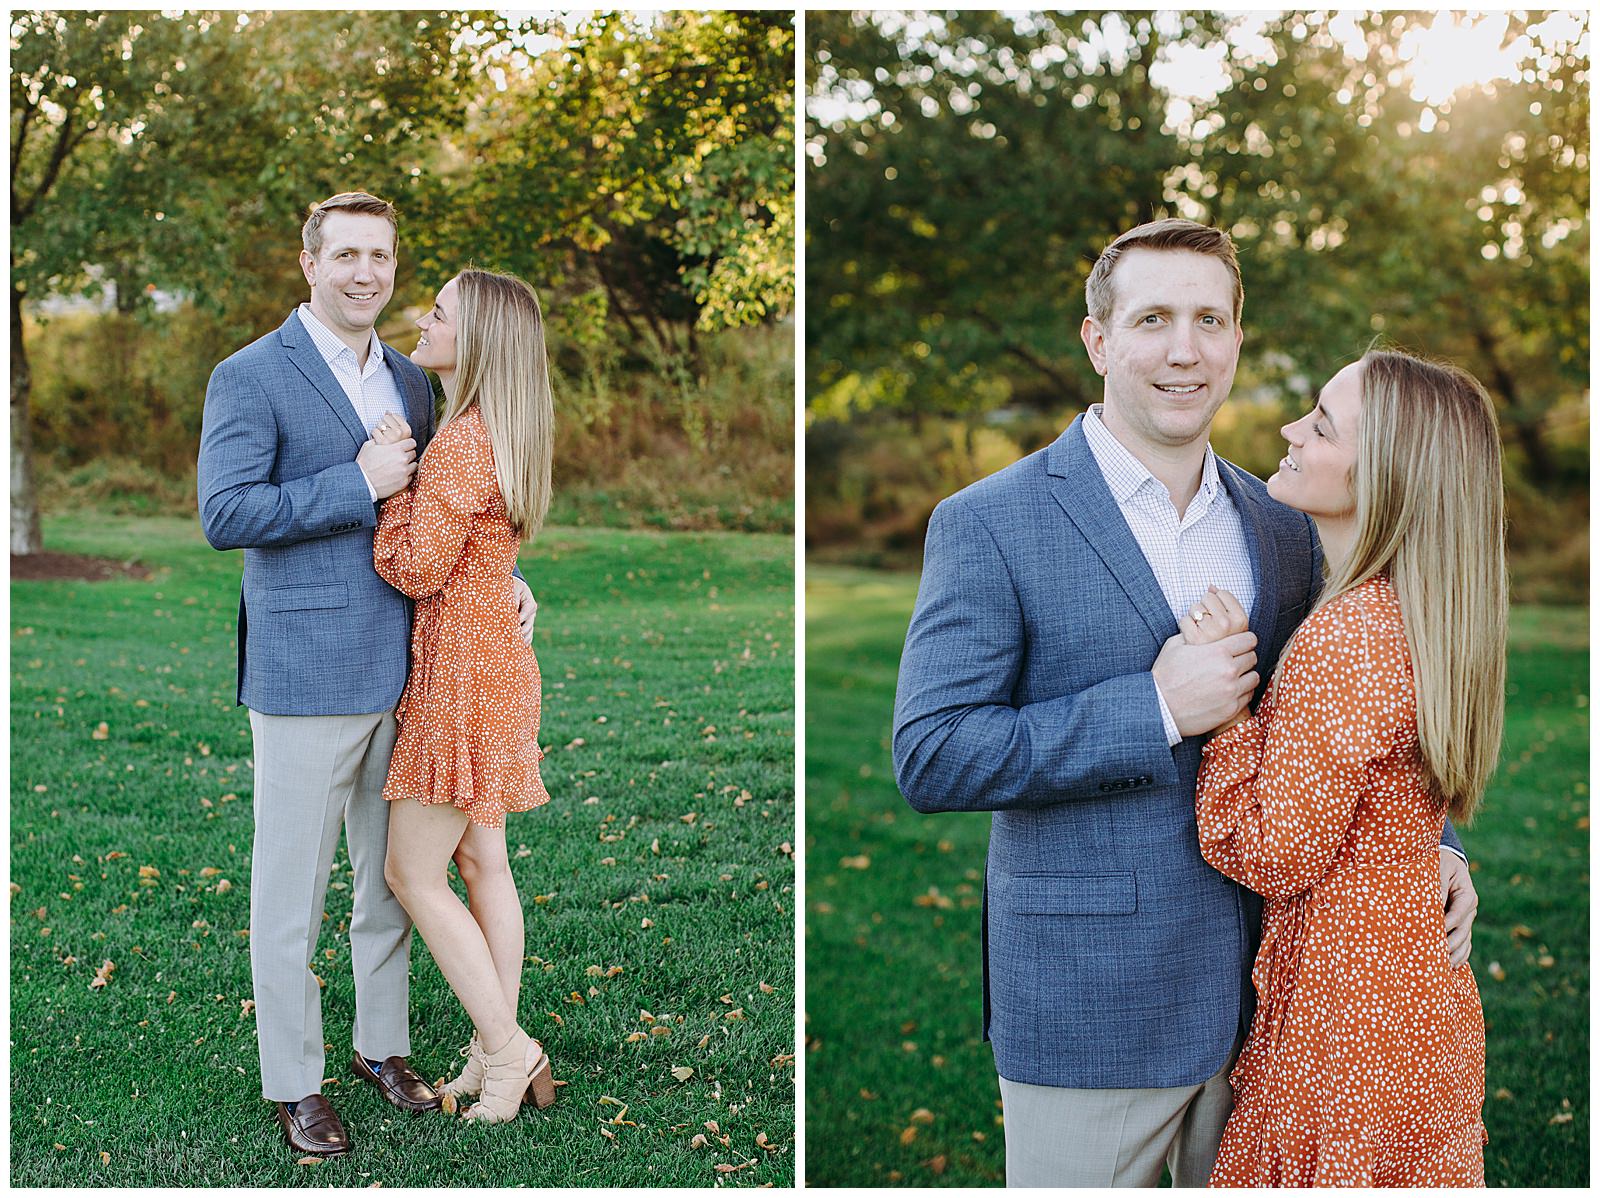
(1364, 1064)
(467, 751)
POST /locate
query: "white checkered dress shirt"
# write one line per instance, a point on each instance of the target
(1205, 546)
(371, 389)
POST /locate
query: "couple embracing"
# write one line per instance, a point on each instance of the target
(1223, 728)
(385, 656)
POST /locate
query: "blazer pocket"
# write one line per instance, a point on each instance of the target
(327, 594)
(1074, 894)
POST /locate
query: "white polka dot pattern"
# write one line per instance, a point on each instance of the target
(469, 717)
(1364, 1064)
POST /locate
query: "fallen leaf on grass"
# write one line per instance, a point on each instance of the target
(102, 975)
(704, 1040)
(608, 1133)
(736, 1013)
(647, 923)
(765, 989)
(149, 871)
(683, 1072)
(713, 1127)
(937, 1164)
(699, 1140)
(1561, 1117)
(922, 1115)
(1497, 971)
(102, 731)
(660, 1031)
(762, 1142)
(635, 1037)
(861, 862)
(61, 1147)
(447, 1104)
(224, 886)
(908, 1135)
(15, 889)
(726, 1168)
(786, 849)
(309, 1160)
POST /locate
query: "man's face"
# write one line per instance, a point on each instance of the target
(352, 277)
(1170, 348)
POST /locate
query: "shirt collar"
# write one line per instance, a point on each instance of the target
(331, 347)
(1125, 474)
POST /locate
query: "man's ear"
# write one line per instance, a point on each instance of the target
(1094, 340)
(306, 263)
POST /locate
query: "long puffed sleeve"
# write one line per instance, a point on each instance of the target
(1278, 791)
(423, 529)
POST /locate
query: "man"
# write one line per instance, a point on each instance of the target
(288, 473)
(1044, 680)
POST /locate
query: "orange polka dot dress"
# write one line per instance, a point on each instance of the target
(469, 716)
(1364, 1065)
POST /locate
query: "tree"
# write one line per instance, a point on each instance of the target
(149, 150)
(1457, 229)
(647, 159)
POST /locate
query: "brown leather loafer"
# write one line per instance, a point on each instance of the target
(399, 1084)
(314, 1128)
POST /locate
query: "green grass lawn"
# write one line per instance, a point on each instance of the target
(900, 1086)
(659, 881)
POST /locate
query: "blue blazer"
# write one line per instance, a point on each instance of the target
(1114, 956)
(319, 632)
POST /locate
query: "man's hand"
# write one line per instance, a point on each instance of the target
(388, 467)
(527, 607)
(1207, 685)
(1460, 905)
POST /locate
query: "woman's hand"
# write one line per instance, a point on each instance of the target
(1217, 615)
(390, 429)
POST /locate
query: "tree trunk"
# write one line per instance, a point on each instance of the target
(25, 535)
(1525, 424)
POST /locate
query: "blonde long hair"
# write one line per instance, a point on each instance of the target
(501, 366)
(1430, 512)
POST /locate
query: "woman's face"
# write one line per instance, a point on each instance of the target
(1314, 476)
(436, 349)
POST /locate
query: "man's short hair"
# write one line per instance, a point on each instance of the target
(1170, 233)
(345, 201)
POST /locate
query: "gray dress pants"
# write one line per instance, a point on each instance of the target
(314, 775)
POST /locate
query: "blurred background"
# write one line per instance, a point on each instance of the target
(637, 168)
(1421, 177)
(1396, 174)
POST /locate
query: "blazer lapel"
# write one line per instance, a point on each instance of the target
(1263, 563)
(417, 396)
(304, 354)
(1081, 490)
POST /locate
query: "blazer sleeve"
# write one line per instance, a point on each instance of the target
(1278, 791)
(422, 531)
(960, 742)
(240, 507)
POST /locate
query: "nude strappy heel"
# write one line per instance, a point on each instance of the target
(517, 1072)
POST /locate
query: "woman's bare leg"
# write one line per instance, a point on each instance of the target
(492, 898)
(422, 839)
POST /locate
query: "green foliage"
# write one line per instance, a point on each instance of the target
(650, 156)
(965, 170)
(634, 449)
(668, 689)
(894, 901)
